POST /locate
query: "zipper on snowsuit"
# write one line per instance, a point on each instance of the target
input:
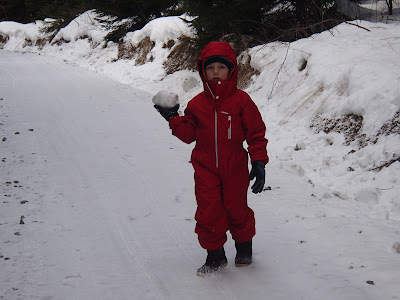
(229, 124)
(216, 137)
(230, 128)
(216, 127)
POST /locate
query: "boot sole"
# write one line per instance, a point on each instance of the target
(201, 274)
(242, 265)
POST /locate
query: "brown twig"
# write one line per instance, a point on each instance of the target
(357, 26)
(277, 74)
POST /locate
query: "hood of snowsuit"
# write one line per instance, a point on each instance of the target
(218, 49)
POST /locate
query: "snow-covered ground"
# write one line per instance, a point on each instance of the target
(106, 193)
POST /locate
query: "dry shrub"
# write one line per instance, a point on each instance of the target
(92, 43)
(60, 41)
(183, 56)
(126, 51)
(40, 43)
(350, 125)
(27, 43)
(139, 52)
(3, 40)
(392, 126)
(169, 44)
(246, 71)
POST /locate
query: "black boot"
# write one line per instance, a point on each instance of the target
(216, 260)
(244, 255)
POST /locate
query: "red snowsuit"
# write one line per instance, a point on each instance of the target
(220, 119)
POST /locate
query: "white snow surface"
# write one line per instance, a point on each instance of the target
(106, 193)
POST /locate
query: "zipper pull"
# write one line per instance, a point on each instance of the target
(230, 128)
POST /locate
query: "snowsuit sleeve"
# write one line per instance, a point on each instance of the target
(184, 127)
(254, 128)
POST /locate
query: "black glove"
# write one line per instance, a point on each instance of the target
(257, 171)
(167, 112)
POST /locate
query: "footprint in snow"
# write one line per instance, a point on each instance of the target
(72, 280)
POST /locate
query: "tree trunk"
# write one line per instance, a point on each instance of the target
(390, 6)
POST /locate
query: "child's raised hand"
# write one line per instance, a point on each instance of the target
(166, 103)
(167, 112)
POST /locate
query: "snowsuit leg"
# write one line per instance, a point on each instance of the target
(211, 217)
(241, 222)
(222, 204)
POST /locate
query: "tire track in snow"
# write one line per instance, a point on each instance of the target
(224, 293)
(155, 201)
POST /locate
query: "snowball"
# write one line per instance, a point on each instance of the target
(165, 99)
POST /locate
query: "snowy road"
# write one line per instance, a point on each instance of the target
(110, 206)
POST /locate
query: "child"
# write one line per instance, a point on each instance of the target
(220, 119)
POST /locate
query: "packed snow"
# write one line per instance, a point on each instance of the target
(166, 99)
(98, 196)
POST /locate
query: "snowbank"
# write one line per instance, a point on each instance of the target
(161, 30)
(328, 100)
(89, 25)
(328, 224)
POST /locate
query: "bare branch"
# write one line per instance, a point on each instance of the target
(357, 26)
(280, 69)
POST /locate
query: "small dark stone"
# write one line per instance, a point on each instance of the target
(30, 129)
(17, 132)
(371, 282)
(4, 139)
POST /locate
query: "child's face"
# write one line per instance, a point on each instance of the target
(217, 71)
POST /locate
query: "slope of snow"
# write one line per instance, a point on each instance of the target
(349, 71)
(87, 162)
